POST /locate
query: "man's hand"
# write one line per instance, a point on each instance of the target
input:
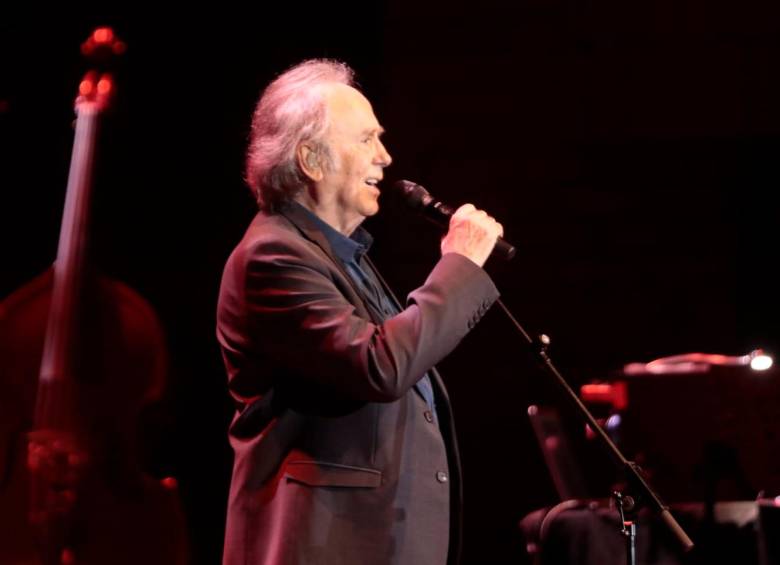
(472, 233)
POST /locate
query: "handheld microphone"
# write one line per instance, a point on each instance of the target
(439, 213)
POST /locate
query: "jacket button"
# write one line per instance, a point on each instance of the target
(428, 416)
(441, 476)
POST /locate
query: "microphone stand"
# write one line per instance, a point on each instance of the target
(628, 530)
(627, 506)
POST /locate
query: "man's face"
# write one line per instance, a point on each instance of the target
(349, 182)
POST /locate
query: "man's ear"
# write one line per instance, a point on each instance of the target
(309, 161)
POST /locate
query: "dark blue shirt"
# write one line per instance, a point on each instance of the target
(351, 252)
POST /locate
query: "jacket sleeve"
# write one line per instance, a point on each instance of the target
(279, 302)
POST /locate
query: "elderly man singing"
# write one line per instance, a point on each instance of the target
(344, 441)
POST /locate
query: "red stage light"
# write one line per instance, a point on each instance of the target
(170, 483)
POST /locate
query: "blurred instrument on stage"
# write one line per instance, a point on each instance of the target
(81, 356)
(703, 426)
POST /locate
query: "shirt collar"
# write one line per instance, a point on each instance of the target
(347, 249)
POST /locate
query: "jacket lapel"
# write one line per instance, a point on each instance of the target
(310, 231)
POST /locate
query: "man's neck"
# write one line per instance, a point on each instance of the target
(330, 215)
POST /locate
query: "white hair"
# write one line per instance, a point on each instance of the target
(292, 109)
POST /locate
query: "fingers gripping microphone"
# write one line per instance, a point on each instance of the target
(439, 213)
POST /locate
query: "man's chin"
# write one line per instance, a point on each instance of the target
(371, 209)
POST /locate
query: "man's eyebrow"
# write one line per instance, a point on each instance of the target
(377, 130)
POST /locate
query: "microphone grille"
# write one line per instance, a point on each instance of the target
(413, 194)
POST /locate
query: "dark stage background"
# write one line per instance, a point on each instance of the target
(629, 149)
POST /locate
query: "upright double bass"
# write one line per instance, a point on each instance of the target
(80, 356)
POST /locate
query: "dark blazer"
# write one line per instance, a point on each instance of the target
(338, 459)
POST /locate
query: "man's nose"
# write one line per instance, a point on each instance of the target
(383, 158)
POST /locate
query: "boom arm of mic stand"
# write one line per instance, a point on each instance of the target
(646, 493)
